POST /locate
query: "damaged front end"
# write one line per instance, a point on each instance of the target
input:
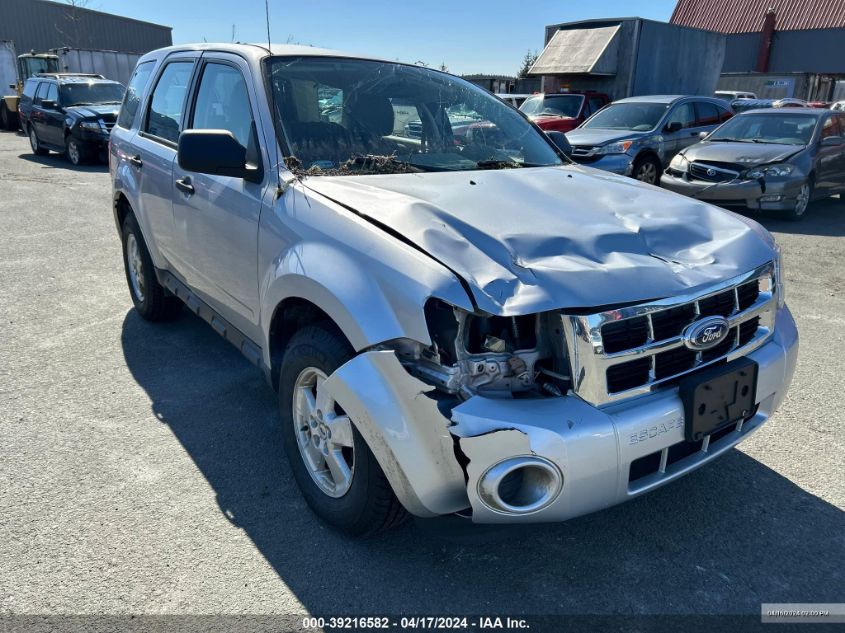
(485, 419)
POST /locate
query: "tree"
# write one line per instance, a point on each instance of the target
(443, 67)
(74, 16)
(527, 63)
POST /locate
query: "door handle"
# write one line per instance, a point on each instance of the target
(136, 161)
(184, 185)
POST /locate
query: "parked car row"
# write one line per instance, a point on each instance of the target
(759, 155)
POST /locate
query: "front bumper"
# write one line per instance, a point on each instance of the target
(622, 164)
(438, 462)
(780, 194)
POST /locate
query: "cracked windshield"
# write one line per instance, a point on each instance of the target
(353, 117)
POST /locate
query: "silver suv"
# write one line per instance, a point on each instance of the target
(454, 323)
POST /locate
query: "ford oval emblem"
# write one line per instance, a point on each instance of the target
(706, 333)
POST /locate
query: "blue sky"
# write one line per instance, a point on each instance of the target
(488, 36)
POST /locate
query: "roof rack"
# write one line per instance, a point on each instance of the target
(62, 75)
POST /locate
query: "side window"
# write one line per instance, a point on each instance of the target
(52, 93)
(40, 92)
(831, 127)
(724, 114)
(223, 102)
(596, 104)
(132, 98)
(683, 114)
(29, 88)
(165, 115)
(708, 113)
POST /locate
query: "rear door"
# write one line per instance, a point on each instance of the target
(219, 214)
(153, 154)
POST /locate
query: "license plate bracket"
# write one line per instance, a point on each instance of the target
(717, 397)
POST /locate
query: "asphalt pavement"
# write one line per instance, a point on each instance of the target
(142, 472)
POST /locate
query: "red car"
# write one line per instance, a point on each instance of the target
(563, 111)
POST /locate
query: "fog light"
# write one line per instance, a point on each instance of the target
(772, 198)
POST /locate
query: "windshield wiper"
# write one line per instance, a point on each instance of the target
(499, 164)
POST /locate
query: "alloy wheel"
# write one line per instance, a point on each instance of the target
(647, 173)
(323, 434)
(135, 266)
(803, 199)
(73, 151)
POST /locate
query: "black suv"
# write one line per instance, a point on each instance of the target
(70, 113)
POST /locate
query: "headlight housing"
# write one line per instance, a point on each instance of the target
(679, 163)
(90, 125)
(769, 171)
(619, 147)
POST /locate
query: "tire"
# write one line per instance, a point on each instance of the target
(8, 119)
(77, 152)
(646, 169)
(152, 301)
(35, 143)
(804, 198)
(366, 504)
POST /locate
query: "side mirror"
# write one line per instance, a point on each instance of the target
(215, 152)
(562, 143)
(831, 141)
(48, 105)
(674, 126)
(703, 135)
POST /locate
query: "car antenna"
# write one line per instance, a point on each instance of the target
(279, 188)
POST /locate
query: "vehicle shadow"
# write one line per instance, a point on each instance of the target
(823, 218)
(58, 161)
(723, 540)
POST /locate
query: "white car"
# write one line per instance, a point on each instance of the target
(730, 95)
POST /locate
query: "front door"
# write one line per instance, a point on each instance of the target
(680, 129)
(219, 213)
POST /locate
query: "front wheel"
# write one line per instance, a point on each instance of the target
(35, 143)
(76, 151)
(802, 201)
(334, 468)
(647, 170)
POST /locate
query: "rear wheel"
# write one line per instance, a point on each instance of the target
(35, 143)
(337, 473)
(151, 299)
(647, 169)
(8, 119)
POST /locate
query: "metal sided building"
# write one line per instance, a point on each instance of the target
(776, 48)
(625, 57)
(41, 25)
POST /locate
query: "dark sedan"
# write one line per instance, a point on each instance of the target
(777, 159)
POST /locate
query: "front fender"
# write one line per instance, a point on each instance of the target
(369, 304)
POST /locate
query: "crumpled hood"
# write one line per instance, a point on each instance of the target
(750, 154)
(590, 137)
(95, 111)
(535, 239)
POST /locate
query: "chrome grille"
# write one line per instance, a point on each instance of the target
(621, 353)
(711, 172)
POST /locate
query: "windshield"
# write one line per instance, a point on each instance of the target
(553, 105)
(349, 116)
(91, 93)
(636, 117)
(785, 129)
